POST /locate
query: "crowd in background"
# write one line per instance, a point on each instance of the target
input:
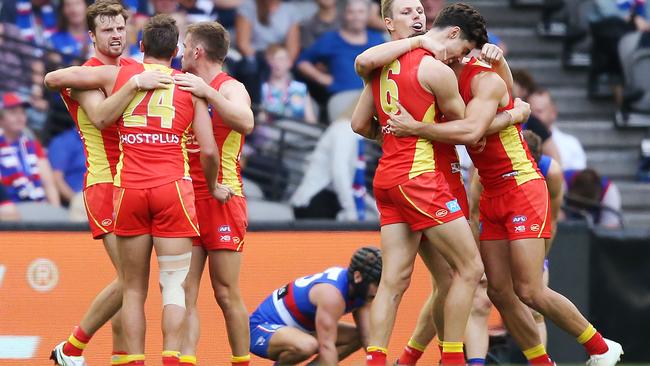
(296, 59)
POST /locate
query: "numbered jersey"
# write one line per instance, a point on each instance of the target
(230, 143)
(101, 146)
(153, 132)
(290, 304)
(502, 159)
(403, 158)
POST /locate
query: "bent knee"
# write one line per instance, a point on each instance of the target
(528, 295)
(306, 347)
(225, 295)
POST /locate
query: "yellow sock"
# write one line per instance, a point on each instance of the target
(586, 335)
(535, 352)
(452, 347)
(415, 345)
(187, 359)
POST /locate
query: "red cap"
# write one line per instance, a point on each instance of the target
(10, 100)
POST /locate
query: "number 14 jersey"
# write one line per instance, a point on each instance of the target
(153, 132)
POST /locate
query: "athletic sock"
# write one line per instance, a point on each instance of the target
(538, 356)
(76, 342)
(452, 353)
(187, 360)
(592, 341)
(170, 358)
(118, 358)
(376, 356)
(440, 346)
(134, 360)
(476, 362)
(240, 360)
(411, 353)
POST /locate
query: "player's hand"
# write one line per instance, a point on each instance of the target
(223, 193)
(153, 79)
(402, 124)
(193, 84)
(491, 54)
(438, 50)
(523, 111)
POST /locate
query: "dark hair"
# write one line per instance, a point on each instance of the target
(213, 37)
(104, 9)
(467, 18)
(366, 260)
(534, 144)
(160, 37)
(525, 80)
(586, 185)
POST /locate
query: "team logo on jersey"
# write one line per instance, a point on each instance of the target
(107, 222)
(534, 227)
(441, 213)
(224, 238)
(453, 206)
(224, 229)
(520, 228)
(455, 168)
(519, 219)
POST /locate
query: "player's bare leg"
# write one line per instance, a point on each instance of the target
(135, 254)
(348, 341)
(477, 340)
(192, 329)
(455, 242)
(224, 274)
(442, 275)
(289, 346)
(516, 316)
(399, 246)
(174, 257)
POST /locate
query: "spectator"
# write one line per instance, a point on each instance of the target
(259, 24)
(14, 67)
(281, 95)
(333, 186)
(67, 157)
(24, 169)
(338, 50)
(8, 210)
(523, 86)
(572, 155)
(36, 18)
(38, 111)
(589, 193)
(326, 19)
(72, 39)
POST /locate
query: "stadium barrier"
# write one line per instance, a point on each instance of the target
(48, 278)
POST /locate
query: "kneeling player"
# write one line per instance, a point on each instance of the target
(301, 319)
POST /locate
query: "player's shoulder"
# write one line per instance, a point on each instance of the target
(489, 81)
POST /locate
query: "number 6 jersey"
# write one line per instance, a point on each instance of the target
(153, 132)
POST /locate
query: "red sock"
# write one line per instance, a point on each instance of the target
(76, 342)
(170, 358)
(187, 360)
(410, 356)
(596, 345)
(376, 356)
(452, 354)
(541, 360)
(240, 360)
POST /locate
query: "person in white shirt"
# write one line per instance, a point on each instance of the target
(572, 154)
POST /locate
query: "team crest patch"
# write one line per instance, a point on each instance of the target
(453, 206)
(534, 227)
(441, 213)
(107, 222)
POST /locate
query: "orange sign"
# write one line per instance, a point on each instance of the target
(47, 281)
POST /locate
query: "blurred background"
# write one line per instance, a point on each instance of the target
(583, 65)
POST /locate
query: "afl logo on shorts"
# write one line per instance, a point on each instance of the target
(107, 222)
(441, 213)
(519, 219)
(42, 275)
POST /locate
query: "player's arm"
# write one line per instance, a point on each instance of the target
(555, 184)
(82, 77)
(519, 114)
(330, 307)
(362, 320)
(440, 80)
(103, 111)
(363, 116)
(231, 101)
(210, 159)
(493, 55)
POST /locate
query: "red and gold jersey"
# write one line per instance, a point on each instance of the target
(153, 132)
(403, 158)
(101, 146)
(448, 163)
(229, 142)
(503, 159)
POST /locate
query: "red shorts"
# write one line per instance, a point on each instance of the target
(422, 202)
(222, 226)
(522, 213)
(98, 200)
(166, 211)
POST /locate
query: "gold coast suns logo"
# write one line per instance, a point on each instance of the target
(42, 274)
(479, 146)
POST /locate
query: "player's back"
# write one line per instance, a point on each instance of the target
(230, 144)
(101, 146)
(153, 132)
(503, 159)
(403, 158)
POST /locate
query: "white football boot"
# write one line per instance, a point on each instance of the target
(61, 359)
(609, 358)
